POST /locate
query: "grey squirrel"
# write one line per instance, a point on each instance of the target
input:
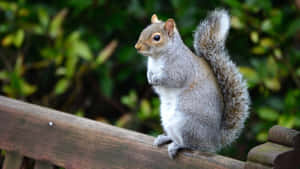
(204, 99)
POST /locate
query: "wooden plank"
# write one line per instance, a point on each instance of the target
(267, 153)
(275, 155)
(42, 165)
(253, 165)
(284, 136)
(289, 160)
(76, 143)
(12, 160)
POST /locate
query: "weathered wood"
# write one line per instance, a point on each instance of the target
(284, 136)
(275, 155)
(267, 153)
(253, 165)
(13, 160)
(42, 165)
(76, 143)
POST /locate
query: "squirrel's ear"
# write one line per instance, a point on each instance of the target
(170, 26)
(154, 19)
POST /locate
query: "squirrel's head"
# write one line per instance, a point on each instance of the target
(156, 37)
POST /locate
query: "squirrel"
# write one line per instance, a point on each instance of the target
(204, 100)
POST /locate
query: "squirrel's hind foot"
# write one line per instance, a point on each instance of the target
(173, 149)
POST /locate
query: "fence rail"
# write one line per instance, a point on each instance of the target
(53, 137)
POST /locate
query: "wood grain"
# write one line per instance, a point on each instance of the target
(284, 136)
(13, 160)
(78, 143)
(42, 165)
(253, 165)
(267, 153)
(275, 155)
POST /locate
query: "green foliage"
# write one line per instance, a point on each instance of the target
(3, 153)
(78, 56)
(271, 69)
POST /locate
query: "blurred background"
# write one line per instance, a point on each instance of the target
(77, 56)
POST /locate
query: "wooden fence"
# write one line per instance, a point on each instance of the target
(55, 138)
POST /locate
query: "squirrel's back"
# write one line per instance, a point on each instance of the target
(209, 42)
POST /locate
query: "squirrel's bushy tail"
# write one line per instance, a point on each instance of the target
(209, 42)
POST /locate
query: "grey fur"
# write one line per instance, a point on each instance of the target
(234, 88)
(191, 99)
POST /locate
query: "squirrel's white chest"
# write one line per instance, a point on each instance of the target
(168, 96)
(168, 103)
(155, 65)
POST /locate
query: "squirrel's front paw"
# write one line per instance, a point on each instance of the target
(155, 79)
(150, 77)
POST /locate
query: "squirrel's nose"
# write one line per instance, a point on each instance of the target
(138, 46)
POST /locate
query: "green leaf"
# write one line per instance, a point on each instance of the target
(15, 84)
(43, 17)
(73, 37)
(81, 49)
(233, 3)
(258, 50)
(286, 121)
(106, 84)
(254, 36)
(106, 52)
(130, 100)
(292, 98)
(8, 40)
(262, 136)
(145, 110)
(18, 86)
(267, 42)
(61, 86)
(76, 47)
(266, 25)
(272, 67)
(268, 114)
(19, 38)
(19, 67)
(278, 53)
(276, 103)
(71, 66)
(293, 27)
(272, 83)
(124, 120)
(80, 113)
(4, 75)
(61, 71)
(250, 74)
(8, 6)
(56, 23)
(265, 5)
(236, 23)
(298, 71)
(28, 89)
(297, 121)
(8, 90)
(48, 52)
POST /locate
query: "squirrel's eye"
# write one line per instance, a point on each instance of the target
(156, 37)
